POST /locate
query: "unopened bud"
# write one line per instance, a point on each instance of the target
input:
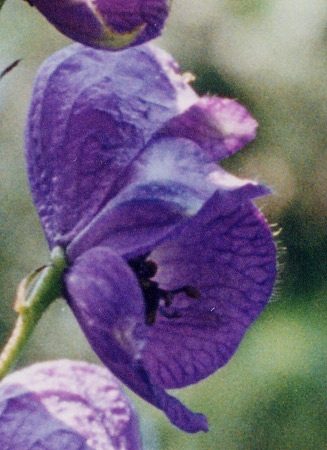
(106, 24)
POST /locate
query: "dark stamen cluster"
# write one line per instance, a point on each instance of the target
(152, 293)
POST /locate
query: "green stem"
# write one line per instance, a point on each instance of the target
(33, 298)
(12, 349)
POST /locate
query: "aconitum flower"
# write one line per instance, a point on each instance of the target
(66, 405)
(108, 24)
(169, 260)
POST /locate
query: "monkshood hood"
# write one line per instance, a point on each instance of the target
(170, 261)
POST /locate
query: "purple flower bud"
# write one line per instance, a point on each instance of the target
(107, 24)
(65, 405)
(170, 262)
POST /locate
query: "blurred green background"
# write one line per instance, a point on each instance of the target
(272, 56)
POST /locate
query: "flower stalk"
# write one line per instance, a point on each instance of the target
(35, 293)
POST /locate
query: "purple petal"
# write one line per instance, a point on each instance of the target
(171, 180)
(106, 24)
(130, 228)
(129, 15)
(65, 405)
(107, 301)
(91, 114)
(227, 253)
(219, 125)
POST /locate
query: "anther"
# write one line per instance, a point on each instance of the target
(142, 268)
(152, 294)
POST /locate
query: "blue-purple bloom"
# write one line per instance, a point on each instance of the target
(66, 405)
(169, 260)
(108, 24)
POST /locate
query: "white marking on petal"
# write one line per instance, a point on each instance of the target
(161, 166)
(125, 335)
(228, 181)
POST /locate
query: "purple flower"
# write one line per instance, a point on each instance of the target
(108, 24)
(170, 261)
(66, 405)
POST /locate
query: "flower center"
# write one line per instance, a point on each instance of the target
(152, 294)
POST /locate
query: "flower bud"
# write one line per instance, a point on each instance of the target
(66, 405)
(107, 24)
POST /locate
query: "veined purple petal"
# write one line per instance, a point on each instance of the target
(170, 181)
(66, 405)
(227, 253)
(107, 24)
(118, 322)
(107, 301)
(91, 113)
(129, 228)
(219, 125)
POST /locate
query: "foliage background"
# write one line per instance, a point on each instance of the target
(272, 56)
